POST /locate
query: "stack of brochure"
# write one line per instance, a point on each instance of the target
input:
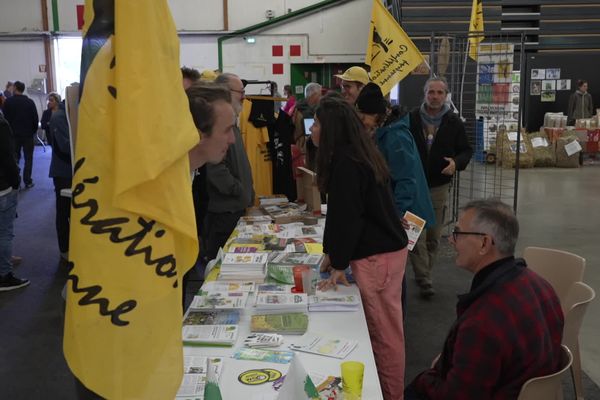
(281, 265)
(287, 324)
(244, 266)
(195, 372)
(211, 328)
(332, 301)
(262, 340)
(275, 303)
(219, 300)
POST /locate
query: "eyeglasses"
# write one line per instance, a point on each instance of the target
(238, 91)
(455, 234)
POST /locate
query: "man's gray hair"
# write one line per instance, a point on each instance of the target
(311, 89)
(435, 79)
(498, 220)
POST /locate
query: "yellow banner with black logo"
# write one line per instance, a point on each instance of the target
(133, 234)
(390, 52)
(475, 28)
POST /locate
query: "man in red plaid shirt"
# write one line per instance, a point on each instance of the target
(509, 326)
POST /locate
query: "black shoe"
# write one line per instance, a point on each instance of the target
(29, 185)
(11, 282)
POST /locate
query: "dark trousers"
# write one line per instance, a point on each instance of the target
(25, 143)
(63, 212)
(218, 229)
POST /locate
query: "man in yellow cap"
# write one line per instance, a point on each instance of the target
(353, 80)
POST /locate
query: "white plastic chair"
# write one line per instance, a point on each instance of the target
(560, 268)
(548, 387)
(576, 303)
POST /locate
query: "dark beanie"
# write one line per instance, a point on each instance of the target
(371, 100)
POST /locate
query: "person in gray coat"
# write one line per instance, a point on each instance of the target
(230, 185)
(581, 104)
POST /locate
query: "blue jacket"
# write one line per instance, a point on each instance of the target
(409, 185)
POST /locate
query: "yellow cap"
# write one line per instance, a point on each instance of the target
(208, 75)
(355, 74)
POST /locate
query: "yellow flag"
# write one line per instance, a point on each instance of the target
(390, 52)
(133, 234)
(476, 26)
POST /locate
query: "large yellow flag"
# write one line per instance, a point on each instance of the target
(390, 52)
(475, 28)
(133, 234)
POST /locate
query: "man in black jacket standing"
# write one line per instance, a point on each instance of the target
(21, 114)
(444, 149)
(9, 183)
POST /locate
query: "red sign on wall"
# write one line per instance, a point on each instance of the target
(80, 21)
(277, 50)
(295, 50)
(277, 69)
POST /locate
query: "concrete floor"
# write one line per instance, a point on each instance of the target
(556, 209)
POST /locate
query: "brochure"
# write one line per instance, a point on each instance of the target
(325, 346)
(274, 356)
(286, 323)
(210, 335)
(417, 224)
(220, 300)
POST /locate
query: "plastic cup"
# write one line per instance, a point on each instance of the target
(307, 282)
(352, 379)
(297, 271)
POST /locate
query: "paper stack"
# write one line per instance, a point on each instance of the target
(326, 301)
(275, 303)
(244, 266)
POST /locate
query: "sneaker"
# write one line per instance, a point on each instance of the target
(11, 282)
(427, 290)
(29, 185)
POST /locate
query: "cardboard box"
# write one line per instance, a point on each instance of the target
(308, 191)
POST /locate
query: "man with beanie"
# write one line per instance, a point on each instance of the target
(444, 149)
(9, 185)
(21, 114)
(353, 80)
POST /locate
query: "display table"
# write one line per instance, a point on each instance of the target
(347, 325)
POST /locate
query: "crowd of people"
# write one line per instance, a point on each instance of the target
(374, 162)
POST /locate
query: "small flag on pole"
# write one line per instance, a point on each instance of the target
(390, 52)
(475, 27)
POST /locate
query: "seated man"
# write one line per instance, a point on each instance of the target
(508, 327)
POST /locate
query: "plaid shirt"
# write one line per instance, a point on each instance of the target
(508, 330)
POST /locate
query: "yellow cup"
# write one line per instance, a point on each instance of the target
(352, 379)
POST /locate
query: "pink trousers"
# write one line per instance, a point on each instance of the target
(379, 279)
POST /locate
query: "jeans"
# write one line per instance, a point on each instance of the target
(8, 211)
(25, 143)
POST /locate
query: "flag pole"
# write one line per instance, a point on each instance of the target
(462, 83)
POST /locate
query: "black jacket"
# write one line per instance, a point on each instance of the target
(20, 112)
(361, 215)
(9, 171)
(450, 141)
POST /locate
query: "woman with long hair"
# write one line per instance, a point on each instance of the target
(363, 230)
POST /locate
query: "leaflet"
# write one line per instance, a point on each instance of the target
(417, 224)
(325, 346)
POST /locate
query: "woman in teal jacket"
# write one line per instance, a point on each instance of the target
(394, 140)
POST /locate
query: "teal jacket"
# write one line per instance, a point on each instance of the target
(409, 185)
